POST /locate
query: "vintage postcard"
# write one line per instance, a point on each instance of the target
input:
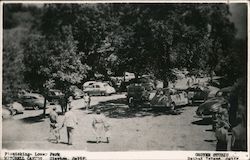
(124, 80)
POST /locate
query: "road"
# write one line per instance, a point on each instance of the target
(132, 130)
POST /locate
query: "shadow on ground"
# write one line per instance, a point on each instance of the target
(205, 121)
(119, 109)
(34, 119)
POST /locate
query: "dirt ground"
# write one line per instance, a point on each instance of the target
(142, 129)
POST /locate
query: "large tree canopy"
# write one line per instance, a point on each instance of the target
(70, 43)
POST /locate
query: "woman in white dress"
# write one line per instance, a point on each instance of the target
(100, 126)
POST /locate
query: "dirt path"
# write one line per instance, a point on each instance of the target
(143, 129)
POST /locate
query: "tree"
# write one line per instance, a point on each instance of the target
(90, 29)
(54, 57)
(13, 67)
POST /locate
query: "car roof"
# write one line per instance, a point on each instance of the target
(87, 83)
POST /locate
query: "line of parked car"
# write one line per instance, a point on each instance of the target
(209, 98)
(31, 100)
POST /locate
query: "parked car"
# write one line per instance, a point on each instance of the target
(165, 97)
(197, 93)
(77, 93)
(32, 101)
(169, 98)
(124, 85)
(99, 88)
(6, 113)
(12, 109)
(137, 94)
(211, 106)
(54, 96)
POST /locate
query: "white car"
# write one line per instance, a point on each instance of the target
(99, 88)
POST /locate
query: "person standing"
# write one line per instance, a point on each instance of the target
(239, 134)
(100, 126)
(70, 122)
(87, 100)
(221, 134)
(53, 116)
(188, 82)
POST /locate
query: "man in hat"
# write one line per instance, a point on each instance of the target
(53, 116)
(70, 122)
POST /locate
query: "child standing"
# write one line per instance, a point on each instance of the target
(54, 127)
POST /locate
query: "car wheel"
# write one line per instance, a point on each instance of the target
(36, 107)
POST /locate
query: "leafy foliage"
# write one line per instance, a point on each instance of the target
(71, 43)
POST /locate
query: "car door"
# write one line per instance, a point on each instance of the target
(26, 101)
(190, 92)
(97, 89)
(90, 89)
(175, 98)
(198, 94)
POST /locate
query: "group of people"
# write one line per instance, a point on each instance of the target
(231, 120)
(100, 126)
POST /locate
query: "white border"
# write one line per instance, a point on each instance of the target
(138, 155)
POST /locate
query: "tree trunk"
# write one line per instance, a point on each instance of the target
(44, 107)
(211, 76)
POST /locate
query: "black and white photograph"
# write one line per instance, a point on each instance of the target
(124, 76)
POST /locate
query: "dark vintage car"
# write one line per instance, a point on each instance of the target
(197, 93)
(138, 94)
(211, 106)
(32, 101)
(54, 96)
(145, 81)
